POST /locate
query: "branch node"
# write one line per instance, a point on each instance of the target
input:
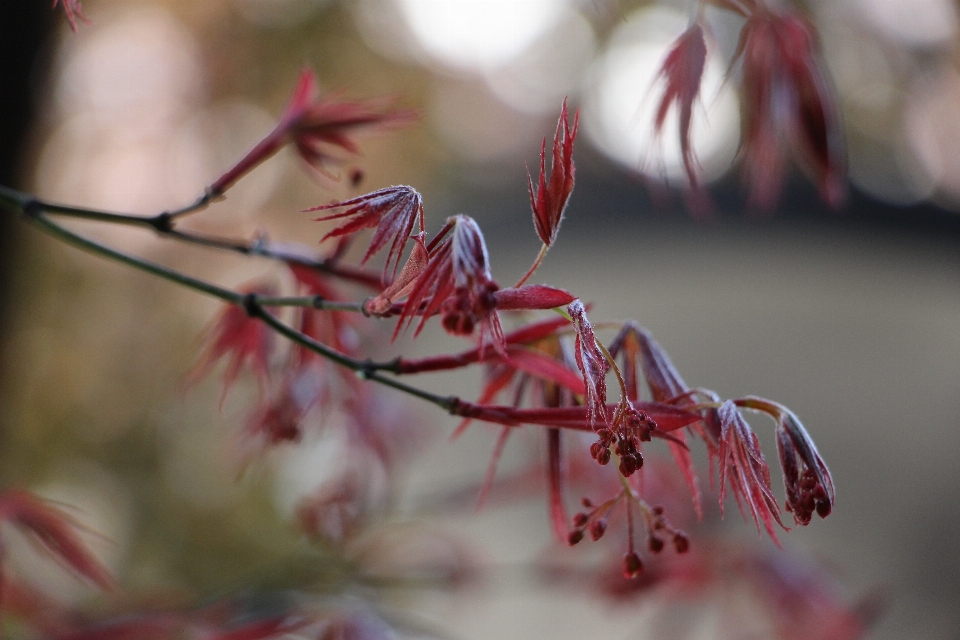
(367, 369)
(162, 222)
(32, 209)
(252, 306)
(318, 302)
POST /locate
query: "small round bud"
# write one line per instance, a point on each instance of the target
(823, 508)
(580, 519)
(595, 450)
(657, 510)
(681, 542)
(603, 457)
(356, 177)
(632, 565)
(655, 544)
(598, 528)
(587, 504)
(575, 536)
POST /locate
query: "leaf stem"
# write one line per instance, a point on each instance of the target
(533, 267)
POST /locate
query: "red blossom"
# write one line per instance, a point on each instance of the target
(394, 211)
(682, 71)
(73, 10)
(743, 468)
(788, 104)
(53, 531)
(244, 340)
(317, 127)
(550, 198)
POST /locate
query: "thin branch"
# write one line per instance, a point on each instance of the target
(250, 302)
(61, 233)
(164, 224)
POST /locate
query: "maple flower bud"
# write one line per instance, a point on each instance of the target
(632, 565)
(655, 544)
(598, 528)
(806, 479)
(681, 542)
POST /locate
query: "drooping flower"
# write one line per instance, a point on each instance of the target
(788, 105)
(321, 129)
(54, 532)
(743, 468)
(806, 478)
(73, 10)
(682, 71)
(550, 198)
(394, 211)
(808, 485)
(244, 340)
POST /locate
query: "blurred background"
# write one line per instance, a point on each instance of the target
(850, 317)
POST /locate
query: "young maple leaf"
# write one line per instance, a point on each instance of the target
(592, 364)
(394, 211)
(73, 10)
(550, 198)
(244, 340)
(787, 105)
(682, 71)
(743, 468)
(451, 277)
(53, 531)
(321, 129)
